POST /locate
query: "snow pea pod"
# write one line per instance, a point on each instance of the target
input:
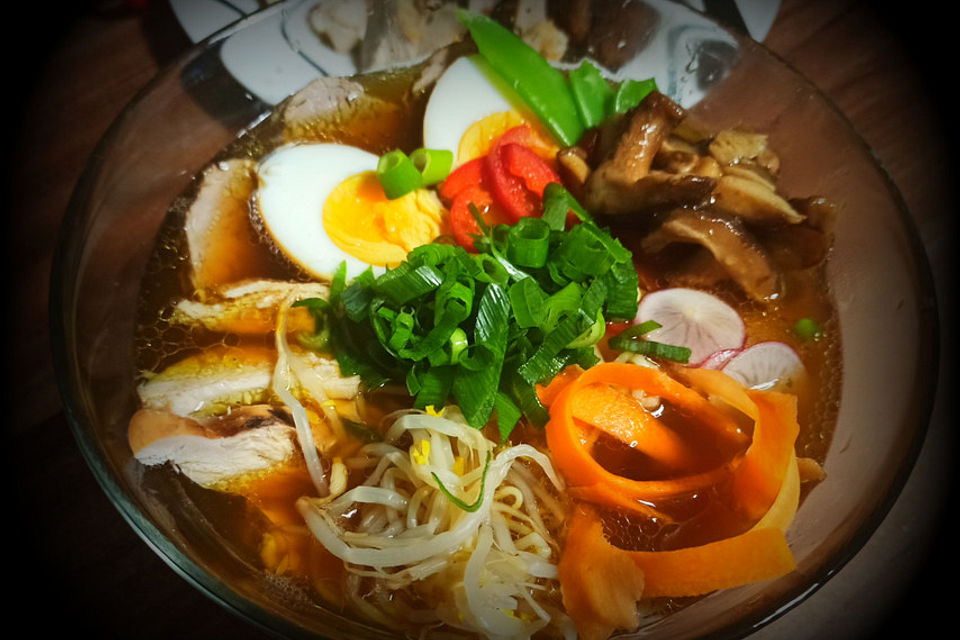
(543, 87)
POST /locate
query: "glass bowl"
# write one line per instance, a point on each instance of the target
(877, 271)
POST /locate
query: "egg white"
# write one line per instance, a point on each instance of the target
(294, 183)
(468, 91)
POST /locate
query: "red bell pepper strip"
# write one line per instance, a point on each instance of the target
(518, 175)
(468, 174)
(462, 222)
(524, 163)
(507, 188)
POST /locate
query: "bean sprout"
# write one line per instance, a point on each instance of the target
(398, 527)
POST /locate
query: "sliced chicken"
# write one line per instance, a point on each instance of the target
(220, 237)
(210, 381)
(218, 378)
(324, 97)
(249, 307)
(213, 450)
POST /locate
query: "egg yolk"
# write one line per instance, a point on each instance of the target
(360, 220)
(479, 137)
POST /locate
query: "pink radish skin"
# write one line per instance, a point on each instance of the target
(718, 359)
(690, 318)
(766, 365)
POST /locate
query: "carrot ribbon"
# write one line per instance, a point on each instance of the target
(575, 415)
(764, 479)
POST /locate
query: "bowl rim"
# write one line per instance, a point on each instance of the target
(65, 256)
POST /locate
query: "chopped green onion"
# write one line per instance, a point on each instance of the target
(528, 301)
(586, 357)
(638, 330)
(489, 269)
(508, 415)
(623, 291)
(319, 309)
(476, 390)
(591, 336)
(339, 282)
(398, 175)
(544, 363)
(316, 306)
(528, 243)
(433, 164)
(457, 344)
(406, 282)
(656, 350)
(457, 501)
(585, 251)
(557, 203)
(356, 297)
(361, 431)
(565, 302)
(434, 386)
(482, 329)
(431, 254)
(319, 340)
(402, 327)
(525, 396)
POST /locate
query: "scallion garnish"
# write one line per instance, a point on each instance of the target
(457, 501)
(398, 175)
(482, 329)
(529, 243)
(433, 164)
(632, 340)
(654, 349)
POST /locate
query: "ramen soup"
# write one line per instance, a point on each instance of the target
(485, 348)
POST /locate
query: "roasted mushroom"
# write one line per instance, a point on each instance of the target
(624, 181)
(752, 200)
(741, 257)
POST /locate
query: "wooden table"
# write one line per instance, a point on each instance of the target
(91, 571)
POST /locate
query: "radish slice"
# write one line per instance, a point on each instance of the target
(718, 359)
(766, 365)
(694, 319)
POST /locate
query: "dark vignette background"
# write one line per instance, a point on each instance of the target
(55, 500)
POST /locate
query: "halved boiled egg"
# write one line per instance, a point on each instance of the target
(322, 204)
(470, 107)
